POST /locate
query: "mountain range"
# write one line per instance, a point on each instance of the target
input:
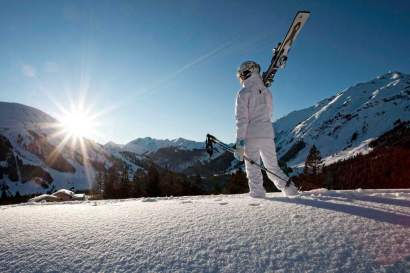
(33, 159)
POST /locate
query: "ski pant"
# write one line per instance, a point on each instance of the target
(257, 149)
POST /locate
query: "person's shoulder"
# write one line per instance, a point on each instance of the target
(243, 91)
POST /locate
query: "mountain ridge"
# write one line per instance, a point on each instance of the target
(340, 126)
(346, 120)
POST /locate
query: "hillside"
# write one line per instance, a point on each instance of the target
(384, 166)
(321, 231)
(343, 125)
(35, 156)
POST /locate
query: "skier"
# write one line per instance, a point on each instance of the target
(254, 131)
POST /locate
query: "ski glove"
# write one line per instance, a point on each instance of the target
(240, 149)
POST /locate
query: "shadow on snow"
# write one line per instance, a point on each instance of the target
(370, 213)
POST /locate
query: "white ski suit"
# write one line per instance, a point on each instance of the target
(253, 112)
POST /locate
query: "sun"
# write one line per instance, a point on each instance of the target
(78, 124)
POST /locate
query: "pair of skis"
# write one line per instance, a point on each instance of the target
(280, 53)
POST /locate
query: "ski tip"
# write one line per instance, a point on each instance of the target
(303, 11)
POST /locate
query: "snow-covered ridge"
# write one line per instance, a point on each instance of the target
(148, 144)
(16, 116)
(346, 120)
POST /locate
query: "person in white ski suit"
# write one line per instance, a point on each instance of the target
(254, 131)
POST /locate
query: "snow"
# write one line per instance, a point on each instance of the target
(44, 198)
(366, 110)
(15, 115)
(363, 148)
(64, 191)
(319, 231)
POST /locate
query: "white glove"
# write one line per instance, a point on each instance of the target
(240, 149)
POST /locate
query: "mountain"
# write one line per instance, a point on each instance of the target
(31, 157)
(148, 144)
(34, 157)
(343, 125)
(176, 154)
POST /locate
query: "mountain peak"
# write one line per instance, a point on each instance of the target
(19, 115)
(391, 75)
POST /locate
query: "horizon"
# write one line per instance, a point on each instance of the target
(134, 66)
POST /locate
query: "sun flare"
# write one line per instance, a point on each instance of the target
(77, 123)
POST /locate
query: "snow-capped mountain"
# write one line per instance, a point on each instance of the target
(35, 157)
(32, 158)
(175, 154)
(149, 145)
(343, 125)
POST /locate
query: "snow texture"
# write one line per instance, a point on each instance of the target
(320, 231)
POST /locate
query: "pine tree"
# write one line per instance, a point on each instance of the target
(4, 188)
(313, 162)
(195, 185)
(153, 181)
(98, 185)
(237, 183)
(111, 183)
(125, 183)
(138, 183)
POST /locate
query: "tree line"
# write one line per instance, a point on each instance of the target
(385, 166)
(117, 181)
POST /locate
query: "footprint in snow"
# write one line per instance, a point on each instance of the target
(149, 200)
(186, 202)
(254, 204)
(223, 203)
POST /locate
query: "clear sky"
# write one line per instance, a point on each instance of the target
(166, 69)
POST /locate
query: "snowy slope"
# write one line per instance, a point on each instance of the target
(321, 231)
(346, 121)
(31, 147)
(19, 116)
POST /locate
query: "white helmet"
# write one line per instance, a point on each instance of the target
(246, 69)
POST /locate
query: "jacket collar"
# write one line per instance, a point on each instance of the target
(255, 80)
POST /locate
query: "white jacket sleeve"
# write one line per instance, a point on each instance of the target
(242, 114)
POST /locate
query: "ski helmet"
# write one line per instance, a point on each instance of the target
(246, 69)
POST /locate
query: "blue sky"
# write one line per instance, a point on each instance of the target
(166, 69)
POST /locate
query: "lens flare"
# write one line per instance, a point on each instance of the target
(78, 124)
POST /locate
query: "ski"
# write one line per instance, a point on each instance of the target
(280, 53)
